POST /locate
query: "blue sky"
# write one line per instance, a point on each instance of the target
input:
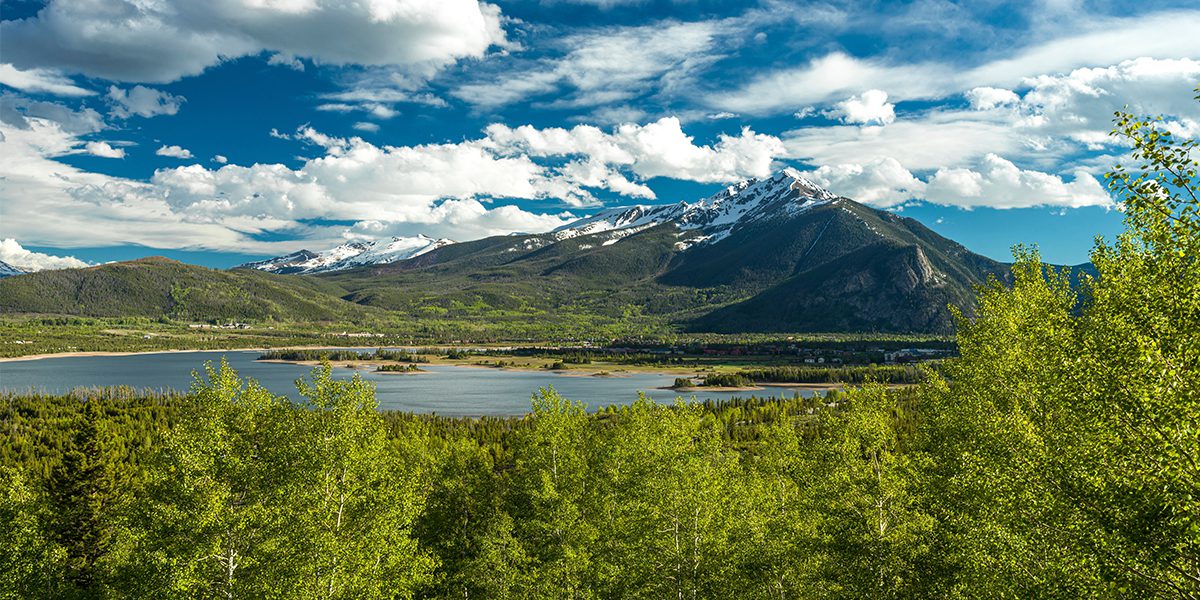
(218, 132)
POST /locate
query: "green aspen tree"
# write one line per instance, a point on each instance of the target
(551, 498)
(873, 534)
(783, 552)
(216, 523)
(1068, 436)
(355, 496)
(31, 565)
(674, 510)
(464, 524)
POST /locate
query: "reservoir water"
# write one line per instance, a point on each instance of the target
(443, 389)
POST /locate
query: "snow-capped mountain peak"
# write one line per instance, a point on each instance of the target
(7, 270)
(350, 255)
(786, 192)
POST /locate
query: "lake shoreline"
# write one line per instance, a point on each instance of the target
(816, 387)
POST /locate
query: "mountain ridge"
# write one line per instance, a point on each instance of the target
(772, 254)
(348, 256)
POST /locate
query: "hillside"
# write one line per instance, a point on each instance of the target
(156, 287)
(771, 255)
(778, 254)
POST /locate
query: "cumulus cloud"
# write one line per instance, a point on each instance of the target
(871, 108)
(92, 209)
(366, 126)
(142, 101)
(40, 80)
(883, 183)
(164, 41)
(657, 149)
(174, 152)
(995, 183)
(12, 253)
(1001, 184)
(220, 159)
(462, 190)
(104, 150)
(987, 98)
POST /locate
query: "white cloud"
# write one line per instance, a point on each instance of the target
(1057, 118)
(286, 60)
(883, 182)
(12, 253)
(606, 66)
(827, 78)
(871, 108)
(939, 138)
(461, 190)
(142, 101)
(91, 209)
(720, 115)
(994, 183)
(169, 39)
(1001, 184)
(174, 152)
(437, 189)
(40, 80)
(18, 111)
(988, 98)
(1096, 42)
(657, 149)
(220, 159)
(104, 150)
(366, 126)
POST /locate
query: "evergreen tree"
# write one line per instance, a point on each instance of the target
(82, 495)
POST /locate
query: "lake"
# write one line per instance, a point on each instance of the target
(443, 389)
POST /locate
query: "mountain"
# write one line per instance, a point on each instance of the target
(349, 256)
(773, 254)
(784, 195)
(157, 287)
(778, 254)
(7, 270)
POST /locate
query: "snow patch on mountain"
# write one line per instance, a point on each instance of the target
(7, 270)
(350, 255)
(787, 193)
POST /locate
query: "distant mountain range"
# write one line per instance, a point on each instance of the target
(7, 270)
(348, 256)
(768, 255)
